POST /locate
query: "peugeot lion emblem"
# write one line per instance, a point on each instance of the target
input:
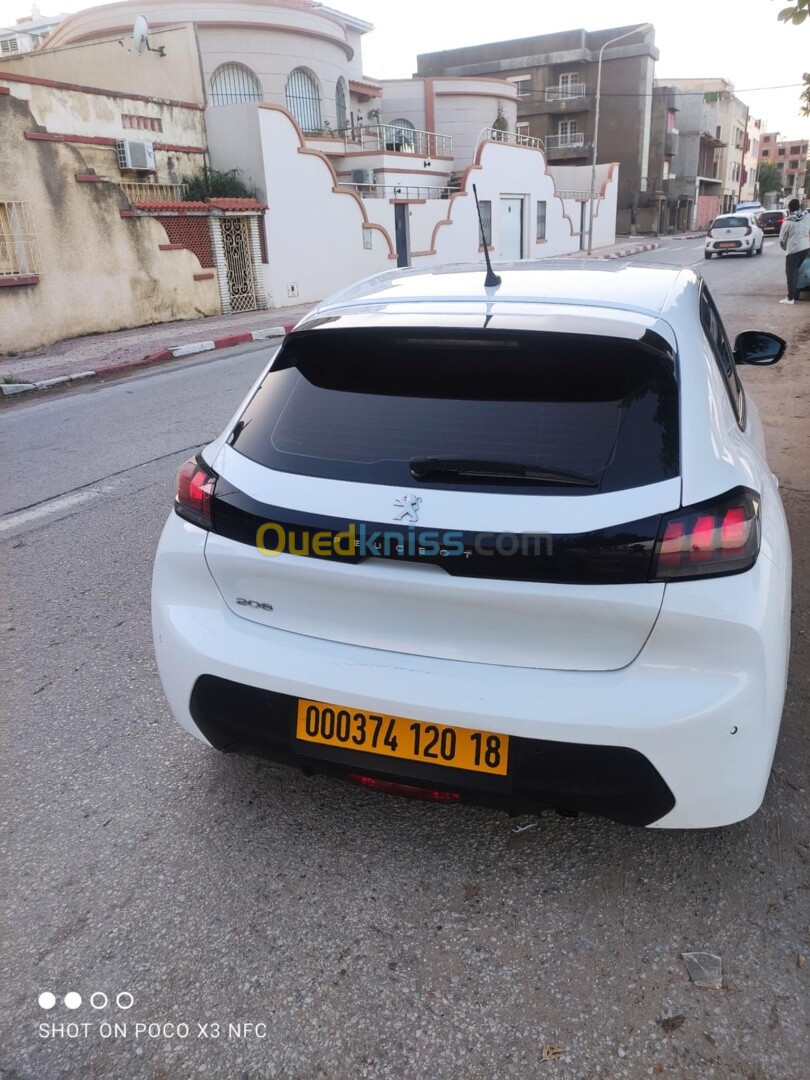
(408, 507)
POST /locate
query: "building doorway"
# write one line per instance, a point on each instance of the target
(401, 234)
(239, 264)
(510, 234)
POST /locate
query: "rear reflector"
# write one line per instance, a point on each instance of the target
(709, 539)
(194, 492)
(392, 788)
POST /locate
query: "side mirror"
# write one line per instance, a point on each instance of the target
(758, 347)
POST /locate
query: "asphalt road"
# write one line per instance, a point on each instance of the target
(304, 928)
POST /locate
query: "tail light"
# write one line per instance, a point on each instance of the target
(194, 492)
(748, 230)
(710, 233)
(709, 539)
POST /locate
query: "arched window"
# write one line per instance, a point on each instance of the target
(399, 133)
(304, 100)
(342, 115)
(232, 83)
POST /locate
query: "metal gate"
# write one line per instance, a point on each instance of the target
(239, 263)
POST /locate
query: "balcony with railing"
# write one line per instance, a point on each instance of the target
(569, 146)
(391, 138)
(564, 97)
(567, 140)
(380, 139)
(401, 192)
(566, 91)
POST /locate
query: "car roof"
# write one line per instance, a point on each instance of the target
(610, 286)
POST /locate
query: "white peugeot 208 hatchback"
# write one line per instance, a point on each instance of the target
(516, 546)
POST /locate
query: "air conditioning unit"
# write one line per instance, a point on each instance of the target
(363, 176)
(135, 155)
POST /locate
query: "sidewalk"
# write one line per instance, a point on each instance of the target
(103, 354)
(100, 354)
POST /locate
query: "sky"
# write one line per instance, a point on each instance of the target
(739, 40)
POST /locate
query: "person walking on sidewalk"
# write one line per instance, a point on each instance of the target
(794, 239)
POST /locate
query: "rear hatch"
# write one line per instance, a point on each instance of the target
(474, 493)
(730, 229)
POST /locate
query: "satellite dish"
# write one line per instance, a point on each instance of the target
(140, 33)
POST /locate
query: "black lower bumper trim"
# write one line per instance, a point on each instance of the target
(611, 781)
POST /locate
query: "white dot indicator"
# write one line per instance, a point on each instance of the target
(124, 1000)
(98, 1000)
(73, 1000)
(47, 1000)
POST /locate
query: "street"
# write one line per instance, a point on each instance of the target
(272, 925)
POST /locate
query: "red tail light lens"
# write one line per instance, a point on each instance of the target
(709, 539)
(390, 787)
(194, 492)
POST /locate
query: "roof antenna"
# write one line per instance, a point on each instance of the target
(492, 278)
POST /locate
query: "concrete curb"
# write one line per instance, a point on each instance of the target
(7, 389)
(634, 249)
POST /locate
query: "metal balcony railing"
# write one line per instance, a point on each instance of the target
(154, 192)
(566, 92)
(512, 138)
(19, 248)
(401, 191)
(562, 142)
(401, 140)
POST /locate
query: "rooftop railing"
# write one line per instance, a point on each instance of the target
(511, 138)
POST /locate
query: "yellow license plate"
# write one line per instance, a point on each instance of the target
(394, 736)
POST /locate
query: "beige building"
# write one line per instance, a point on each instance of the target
(74, 256)
(711, 108)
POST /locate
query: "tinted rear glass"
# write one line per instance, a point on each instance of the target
(361, 404)
(737, 222)
(770, 216)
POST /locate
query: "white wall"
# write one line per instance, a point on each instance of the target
(464, 106)
(403, 99)
(314, 236)
(233, 142)
(577, 178)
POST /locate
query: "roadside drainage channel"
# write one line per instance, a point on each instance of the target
(8, 389)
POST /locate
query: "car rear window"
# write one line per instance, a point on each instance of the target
(771, 215)
(361, 405)
(737, 222)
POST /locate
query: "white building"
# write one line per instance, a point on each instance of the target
(28, 32)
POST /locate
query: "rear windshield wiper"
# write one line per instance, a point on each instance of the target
(471, 468)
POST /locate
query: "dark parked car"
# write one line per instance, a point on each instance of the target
(771, 221)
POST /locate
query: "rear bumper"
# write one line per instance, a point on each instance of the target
(744, 244)
(615, 782)
(701, 705)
